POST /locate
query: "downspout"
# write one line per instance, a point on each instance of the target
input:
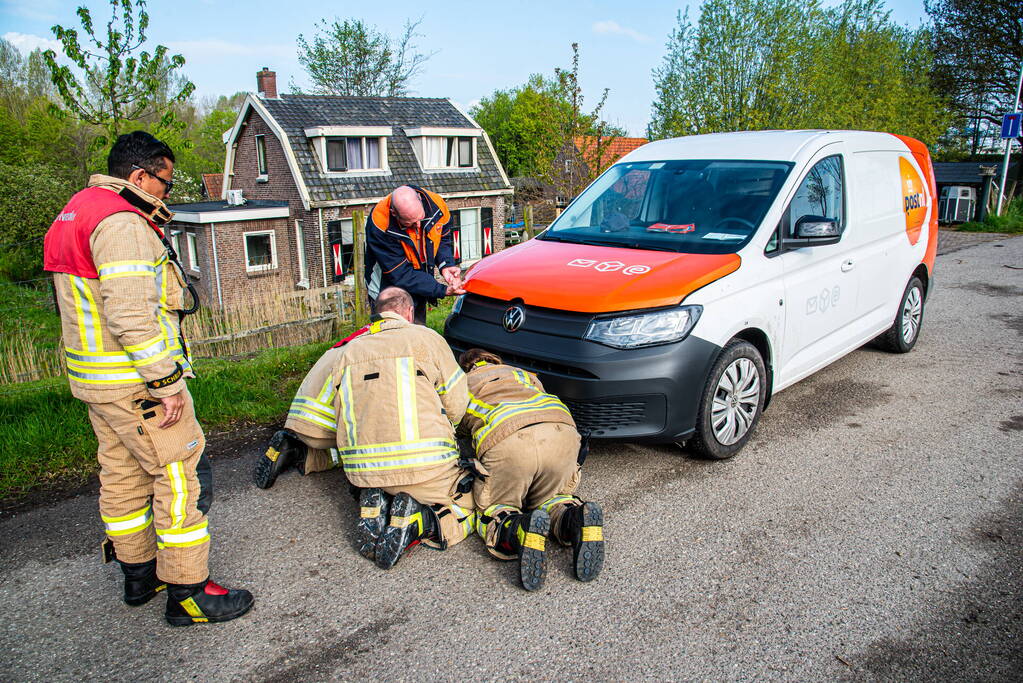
(323, 251)
(216, 266)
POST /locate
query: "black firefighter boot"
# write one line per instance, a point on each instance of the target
(374, 509)
(525, 534)
(285, 449)
(582, 527)
(198, 603)
(140, 582)
(411, 522)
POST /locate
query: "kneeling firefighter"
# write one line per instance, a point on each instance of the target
(399, 393)
(529, 448)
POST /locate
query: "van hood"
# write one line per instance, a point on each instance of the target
(594, 279)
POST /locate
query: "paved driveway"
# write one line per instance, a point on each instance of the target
(873, 529)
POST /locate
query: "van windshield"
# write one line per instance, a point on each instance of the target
(690, 206)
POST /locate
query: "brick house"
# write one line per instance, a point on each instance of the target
(320, 158)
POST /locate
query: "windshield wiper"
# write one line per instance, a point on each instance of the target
(629, 245)
(551, 238)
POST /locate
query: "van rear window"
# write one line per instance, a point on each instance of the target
(690, 206)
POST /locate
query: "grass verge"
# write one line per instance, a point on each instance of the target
(46, 438)
(1010, 222)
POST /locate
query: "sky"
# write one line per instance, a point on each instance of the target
(478, 47)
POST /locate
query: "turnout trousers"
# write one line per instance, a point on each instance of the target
(155, 486)
(456, 516)
(320, 453)
(534, 467)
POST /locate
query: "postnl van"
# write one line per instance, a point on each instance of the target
(698, 276)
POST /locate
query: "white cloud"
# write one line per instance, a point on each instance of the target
(26, 42)
(613, 27)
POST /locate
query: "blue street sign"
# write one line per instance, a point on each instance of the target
(1011, 125)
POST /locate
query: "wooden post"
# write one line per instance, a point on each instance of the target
(527, 217)
(359, 267)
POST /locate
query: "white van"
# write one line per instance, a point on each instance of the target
(700, 275)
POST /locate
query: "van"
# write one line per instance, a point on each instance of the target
(698, 276)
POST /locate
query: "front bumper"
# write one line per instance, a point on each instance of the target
(646, 394)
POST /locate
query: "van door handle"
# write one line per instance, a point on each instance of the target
(847, 265)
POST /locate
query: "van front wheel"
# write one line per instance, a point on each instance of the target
(732, 401)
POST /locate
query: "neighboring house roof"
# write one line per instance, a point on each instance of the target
(612, 152)
(213, 184)
(292, 114)
(962, 172)
(221, 211)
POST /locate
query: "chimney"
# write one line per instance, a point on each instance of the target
(266, 83)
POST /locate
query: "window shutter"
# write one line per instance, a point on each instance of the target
(487, 225)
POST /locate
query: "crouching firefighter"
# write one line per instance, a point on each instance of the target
(399, 395)
(530, 450)
(120, 291)
(308, 441)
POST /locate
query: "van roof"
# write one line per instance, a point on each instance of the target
(780, 145)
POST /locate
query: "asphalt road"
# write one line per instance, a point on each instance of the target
(872, 530)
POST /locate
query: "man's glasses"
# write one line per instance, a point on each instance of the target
(168, 184)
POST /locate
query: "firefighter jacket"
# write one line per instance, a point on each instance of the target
(504, 399)
(399, 395)
(407, 258)
(118, 293)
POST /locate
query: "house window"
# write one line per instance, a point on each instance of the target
(339, 233)
(303, 267)
(448, 152)
(261, 154)
(470, 235)
(175, 240)
(353, 154)
(193, 251)
(260, 251)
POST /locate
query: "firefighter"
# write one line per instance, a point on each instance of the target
(529, 449)
(399, 395)
(120, 291)
(407, 236)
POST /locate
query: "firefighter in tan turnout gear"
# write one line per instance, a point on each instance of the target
(399, 395)
(120, 292)
(528, 445)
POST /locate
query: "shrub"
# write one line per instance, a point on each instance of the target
(30, 198)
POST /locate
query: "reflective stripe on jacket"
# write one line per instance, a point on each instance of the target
(312, 411)
(504, 399)
(399, 394)
(120, 329)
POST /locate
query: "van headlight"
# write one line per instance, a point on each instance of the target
(644, 329)
(456, 307)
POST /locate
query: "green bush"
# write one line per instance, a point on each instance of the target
(30, 199)
(1011, 220)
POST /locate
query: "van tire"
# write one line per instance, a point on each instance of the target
(908, 320)
(741, 357)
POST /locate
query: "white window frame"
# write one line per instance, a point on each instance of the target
(193, 250)
(273, 251)
(479, 230)
(319, 135)
(418, 144)
(175, 240)
(262, 170)
(303, 266)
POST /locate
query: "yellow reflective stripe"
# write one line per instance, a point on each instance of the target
(392, 455)
(534, 541)
(399, 461)
(128, 524)
(456, 377)
(184, 538)
(523, 378)
(93, 377)
(309, 403)
(554, 501)
(408, 417)
(115, 269)
(369, 512)
(93, 316)
(179, 485)
(335, 456)
(80, 313)
(396, 446)
(593, 533)
(314, 418)
(192, 608)
(505, 411)
(402, 522)
(348, 407)
(326, 394)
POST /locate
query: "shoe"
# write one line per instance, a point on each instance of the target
(526, 534)
(285, 449)
(374, 508)
(197, 603)
(140, 582)
(410, 522)
(583, 527)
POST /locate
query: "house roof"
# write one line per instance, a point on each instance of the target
(962, 172)
(296, 113)
(221, 211)
(213, 184)
(615, 150)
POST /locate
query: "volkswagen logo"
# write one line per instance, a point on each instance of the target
(513, 318)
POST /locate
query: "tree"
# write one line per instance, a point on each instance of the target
(31, 196)
(120, 84)
(978, 49)
(353, 58)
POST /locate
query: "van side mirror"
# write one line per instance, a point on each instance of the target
(813, 231)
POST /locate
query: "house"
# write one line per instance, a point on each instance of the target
(212, 186)
(297, 168)
(582, 160)
(599, 155)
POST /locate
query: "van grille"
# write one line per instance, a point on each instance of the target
(614, 415)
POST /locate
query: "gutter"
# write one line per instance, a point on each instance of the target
(216, 266)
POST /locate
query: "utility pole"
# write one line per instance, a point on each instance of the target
(1008, 146)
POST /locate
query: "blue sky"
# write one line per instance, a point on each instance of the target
(480, 47)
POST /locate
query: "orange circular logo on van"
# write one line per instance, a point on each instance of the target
(914, 199)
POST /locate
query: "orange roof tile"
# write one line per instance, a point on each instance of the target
(214, 184)
(615, 150)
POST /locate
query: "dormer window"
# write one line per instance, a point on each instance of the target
(351, 149)
(443, 149)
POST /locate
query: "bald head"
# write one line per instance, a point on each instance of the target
(407, 206)
(397, 300)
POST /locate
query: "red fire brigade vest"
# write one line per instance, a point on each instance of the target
(66, 245)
